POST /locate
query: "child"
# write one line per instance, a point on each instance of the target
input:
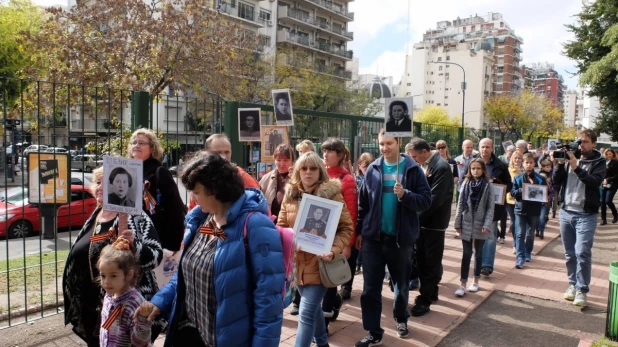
(119, 273)
(546, 172)
(515, 169)
(473, 220)
(527, 212)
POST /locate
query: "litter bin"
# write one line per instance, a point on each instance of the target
(611, 322)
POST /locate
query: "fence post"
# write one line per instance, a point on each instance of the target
(353, 134)
(418, 128)
(484, 133)
(140, 105)
(230, 123)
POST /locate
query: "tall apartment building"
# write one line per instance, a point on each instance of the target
(543, 80)
(318, 29)
(570, 107)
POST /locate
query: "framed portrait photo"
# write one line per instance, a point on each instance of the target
(499, 192)
(282, 101)
(398, 117)
(506, 145)
(552, 145)
(534, 192)
(272, 136)
(249, 124)
(316, 224)
(123, 185)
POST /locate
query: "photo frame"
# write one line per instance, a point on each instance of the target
(282, 101)
(398, 117)
(272, 136)
(534, 192)
(48, 178)
(264, 168)
(499, 192)
(123, 185)
(249, 124)
(506, 145)
(316, 224)
(552, 145)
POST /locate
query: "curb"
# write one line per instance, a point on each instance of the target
(30, 310)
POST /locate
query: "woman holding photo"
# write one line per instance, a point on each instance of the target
(310, 177)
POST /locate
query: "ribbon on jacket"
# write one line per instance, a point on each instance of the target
(149, 200)
(113, 316)
(209, 229)
(100, 237)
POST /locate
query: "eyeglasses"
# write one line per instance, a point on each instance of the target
(140, 143)
(309, 168)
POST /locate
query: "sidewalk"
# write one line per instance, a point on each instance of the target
(7, 182)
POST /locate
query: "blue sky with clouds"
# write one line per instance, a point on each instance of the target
(380, 29)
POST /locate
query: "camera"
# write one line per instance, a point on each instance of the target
(571, 147)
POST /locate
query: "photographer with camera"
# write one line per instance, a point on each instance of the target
(580, 181)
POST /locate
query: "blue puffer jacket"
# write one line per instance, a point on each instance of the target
(248, 293)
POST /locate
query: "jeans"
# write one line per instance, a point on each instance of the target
(577, 230)
(467, 255)
(607, 199)
(429, 252)
(543, 219)
(489, 250)
(510, 209)
(311, 317)
(524, 232)
(377, 255)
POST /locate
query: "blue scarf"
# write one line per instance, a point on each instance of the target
(474, 191)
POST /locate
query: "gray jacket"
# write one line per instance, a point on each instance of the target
(471, 227)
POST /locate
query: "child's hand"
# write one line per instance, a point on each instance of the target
(485, 231)
(458, 230)
(147, 310)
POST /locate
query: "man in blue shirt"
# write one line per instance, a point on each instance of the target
(395, 190)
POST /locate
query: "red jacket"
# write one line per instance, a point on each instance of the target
(350, 194)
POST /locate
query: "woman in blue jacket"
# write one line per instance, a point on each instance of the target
(227, 291)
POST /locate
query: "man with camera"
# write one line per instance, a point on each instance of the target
(579, 175)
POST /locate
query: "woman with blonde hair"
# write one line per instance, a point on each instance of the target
(162, 202)
(310, 177)
(515, 169)
(305, 146)
(442, 148)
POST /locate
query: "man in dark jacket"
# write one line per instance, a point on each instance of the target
(499, 174)
(395, 190)
(580, 182)
(433, 221)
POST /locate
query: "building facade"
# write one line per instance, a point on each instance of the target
(543, 80)
(570, 107)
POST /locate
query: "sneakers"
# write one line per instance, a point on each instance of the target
(473, 288)
(581, 299)
(336, 307)
(485, 271)
(519, 264)
(570, 293)
(345, 293)
(402, 330)
(502, 240)
(294, 310)
(528, 258)
(358, 269)
(461, 291)
(369, 340)
(419, 310)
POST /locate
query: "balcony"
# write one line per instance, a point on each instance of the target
(90, 125)
(311, 23)
(340, 12)
(337, 72)
(304, 41)
(245, 14)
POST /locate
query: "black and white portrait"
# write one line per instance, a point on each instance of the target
(249, 122)
(506, 145)
(272, 136)
(123, 185)
(499, 191)
(398, 119)
(534, 192)
(283, 107)
(316, 221)
(551, 145)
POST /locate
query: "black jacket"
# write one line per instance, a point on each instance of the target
(500, 175)
(440, 180)
(591, 172)
(612, 174)
(405, 126)
(169, 216)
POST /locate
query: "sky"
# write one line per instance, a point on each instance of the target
(380, 29)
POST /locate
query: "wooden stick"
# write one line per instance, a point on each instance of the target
(398, 158)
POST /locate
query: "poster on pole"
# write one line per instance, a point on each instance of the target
(48, 178)
(552, 145)
(398, 119)
(272, 136)
(249, 124)
(283, 107)
(123, 185)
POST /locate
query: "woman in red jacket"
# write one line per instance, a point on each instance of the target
(334, 152)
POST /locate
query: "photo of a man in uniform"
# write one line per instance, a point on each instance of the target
(316, 225)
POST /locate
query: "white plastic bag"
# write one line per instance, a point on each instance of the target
(168, 267)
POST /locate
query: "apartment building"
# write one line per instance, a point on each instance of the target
(317, 29)
(570, 107)
(543, 80)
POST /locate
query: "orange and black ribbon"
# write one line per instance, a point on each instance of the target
(214, 231)
(113, 316)
(149, 200)
(101, 237)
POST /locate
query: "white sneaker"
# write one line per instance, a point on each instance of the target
(460, 291)
(473, 288)
(502, 240)
(570, 293)
(580, 299)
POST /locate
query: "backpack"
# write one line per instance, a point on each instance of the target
(287, 243)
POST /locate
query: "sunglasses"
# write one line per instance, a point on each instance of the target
(309, 168)
(441, 147)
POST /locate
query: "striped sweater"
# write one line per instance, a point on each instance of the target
(117, 326)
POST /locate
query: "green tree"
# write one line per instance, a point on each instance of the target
(595, 49)
(436, 115)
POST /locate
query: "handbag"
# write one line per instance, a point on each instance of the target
(336, 272)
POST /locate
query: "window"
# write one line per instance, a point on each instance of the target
(409, 84)
(264, 15)
(245, 11)
(438, 104)
(440, 68)
(77, 195)
(448, 57)
(408, 93)
(439, 58)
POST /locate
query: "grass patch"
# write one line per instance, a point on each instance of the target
(30, 277)
(604, 343)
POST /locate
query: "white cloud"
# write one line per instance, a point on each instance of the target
(388, 63)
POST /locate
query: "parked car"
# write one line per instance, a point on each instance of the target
(34, 148)
(86, 162)
(80, 178)
(19, 218)
(56, 149)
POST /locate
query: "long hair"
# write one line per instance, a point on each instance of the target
(366, 159)
(443, 143)
(513, 156)
(483, 166)
(308, 159)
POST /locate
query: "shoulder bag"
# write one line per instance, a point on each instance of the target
(336, 272)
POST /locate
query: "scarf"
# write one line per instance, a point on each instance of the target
(474, 191)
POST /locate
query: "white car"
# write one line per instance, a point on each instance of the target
(34, 148)
(82, 179)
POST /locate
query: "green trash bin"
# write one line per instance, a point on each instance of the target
(611, 322)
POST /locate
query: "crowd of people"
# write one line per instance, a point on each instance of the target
(227, 290)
